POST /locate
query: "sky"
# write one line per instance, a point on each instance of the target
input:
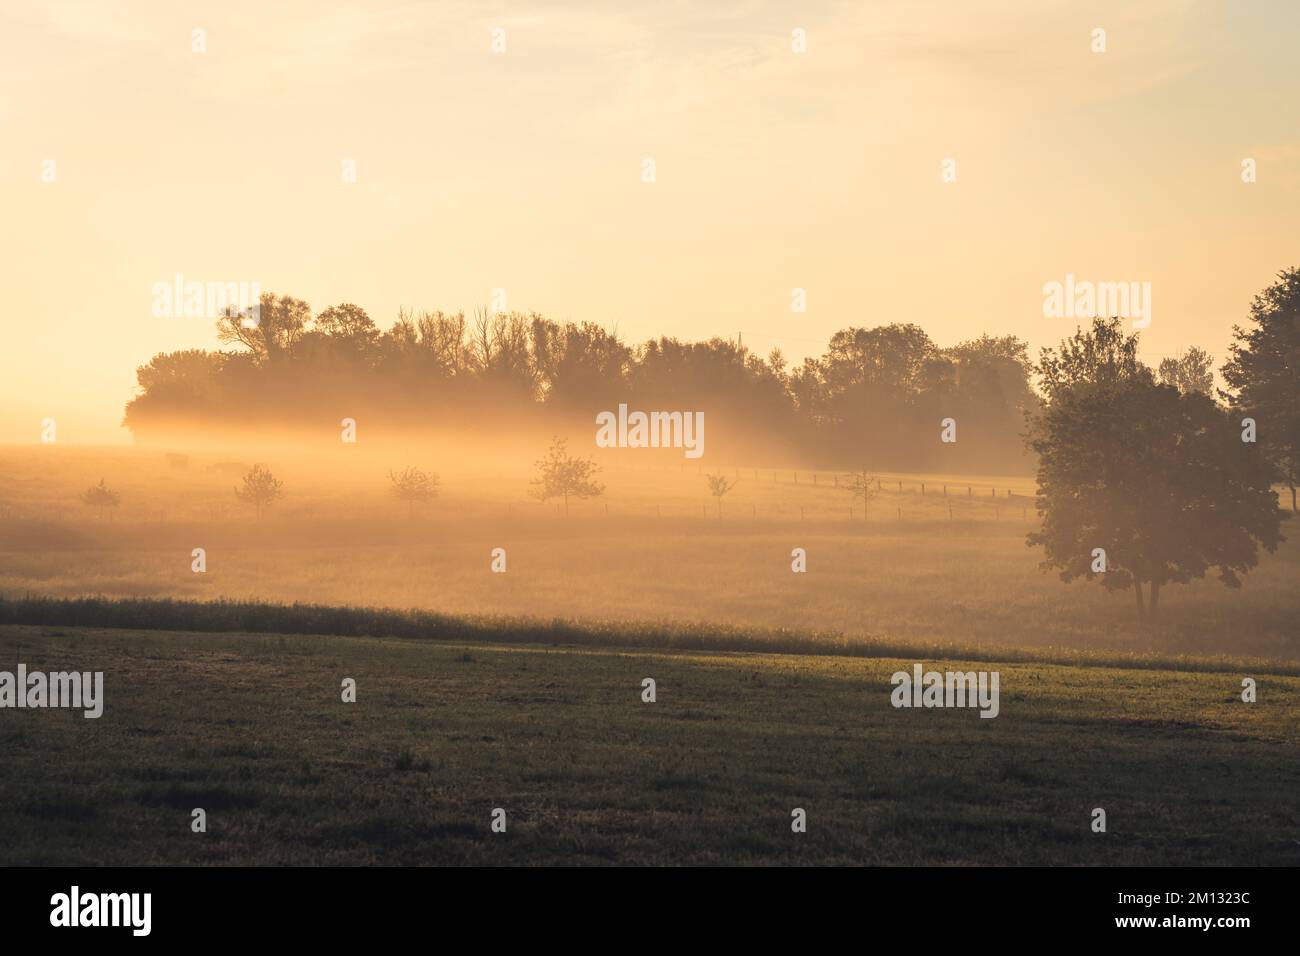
(523, 169)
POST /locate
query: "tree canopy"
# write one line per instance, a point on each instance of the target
(1263, 375)
(877, 394)
(1141, 484)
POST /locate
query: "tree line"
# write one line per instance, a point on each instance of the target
(876, 393)
(1146, 477)
(874, 398)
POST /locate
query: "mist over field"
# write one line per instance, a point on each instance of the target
(930, 568)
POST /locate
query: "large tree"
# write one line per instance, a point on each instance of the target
(579, 364)
(1139, 484)
(1103, 355)
(1263, 375)
(349, 327)
(271, 332)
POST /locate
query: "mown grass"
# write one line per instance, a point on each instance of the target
(251, 728)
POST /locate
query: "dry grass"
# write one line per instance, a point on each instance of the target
(654, 557)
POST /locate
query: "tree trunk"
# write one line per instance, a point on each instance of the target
(1153, 603)
(1137, 592)
(566, 506)
(1293, 498)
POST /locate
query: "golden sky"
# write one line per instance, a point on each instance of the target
(522, 170)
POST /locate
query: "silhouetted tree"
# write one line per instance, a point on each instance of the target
(174, 385)
(499, 346)
(99, 496)
(991, 395)
(862, 486)
(270, 334)
(349, 328)
(579, 364)
(1103, 355)
(260, 489)
(1193, 371)
(431, 346)
(878, 386)
(560, 475)
(414, 487)
(1264, 376)
(719, 485)
(1158, 480)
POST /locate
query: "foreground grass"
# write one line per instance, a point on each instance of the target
(251, 728)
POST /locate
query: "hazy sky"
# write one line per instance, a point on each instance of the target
(522, 170)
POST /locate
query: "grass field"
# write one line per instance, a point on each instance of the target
(251, 728)
(521, 690)
(651, 549)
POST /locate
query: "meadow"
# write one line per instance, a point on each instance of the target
(521, 690)
(920, 568)
(252, 728)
